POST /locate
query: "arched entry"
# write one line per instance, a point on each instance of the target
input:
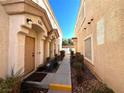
(34, 48)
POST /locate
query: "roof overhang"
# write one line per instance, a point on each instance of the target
(15, 7)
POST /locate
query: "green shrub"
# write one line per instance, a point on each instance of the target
(1, 80)
(77, 66)
(62, 54)
(7, 85)
(79, 73)
(12, 83)
(80, 58)
(72, 53)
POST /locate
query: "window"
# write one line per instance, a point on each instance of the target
(88, 48)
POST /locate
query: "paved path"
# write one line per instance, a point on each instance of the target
(61, 82)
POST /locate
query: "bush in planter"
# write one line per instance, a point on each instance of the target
(48, 59)
(78, 54)
(62, 54)
(80, 58)
(11, 84)
(1, 80)
(79, 73)
(59, 58)
(56, 58)
(72, 55)
(73, 59)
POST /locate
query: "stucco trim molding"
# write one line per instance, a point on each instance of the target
(55, 31)
(53, 34)
(14, 7)
(26, 29)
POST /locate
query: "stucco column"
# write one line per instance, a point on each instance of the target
(16, 44)
(47, 48)
(52, 47)
(75, 44)
(40, 49)
(57, 49)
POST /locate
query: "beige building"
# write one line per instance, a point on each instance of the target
(29, 33)
(99, 32)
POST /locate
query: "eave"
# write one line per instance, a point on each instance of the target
(15, 7)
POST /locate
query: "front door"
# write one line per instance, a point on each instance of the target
(29, 54)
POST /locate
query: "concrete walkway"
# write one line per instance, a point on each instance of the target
(59, 82)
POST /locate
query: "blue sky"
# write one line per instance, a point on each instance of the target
(65, 12)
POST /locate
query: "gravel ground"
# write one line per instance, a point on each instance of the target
(88, 81)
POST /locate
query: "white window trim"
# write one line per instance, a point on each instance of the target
(89, 60)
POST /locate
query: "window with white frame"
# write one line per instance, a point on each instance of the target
(88, 48)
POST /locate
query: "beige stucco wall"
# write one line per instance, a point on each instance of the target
(108, 57)
(13, 31)
(75, 44)
(3, 41)
(17, 35)
(14, 28)
(45, 4)
(47, 48)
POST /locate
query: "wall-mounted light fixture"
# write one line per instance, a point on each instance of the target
(29, 21)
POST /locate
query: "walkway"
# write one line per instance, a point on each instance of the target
(59, 82)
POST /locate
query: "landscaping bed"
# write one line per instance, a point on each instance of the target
(38, 77)
(32, 84)
(35, 90)
(51, 69)
(51, 65)
(83, 87)
(83, 81)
